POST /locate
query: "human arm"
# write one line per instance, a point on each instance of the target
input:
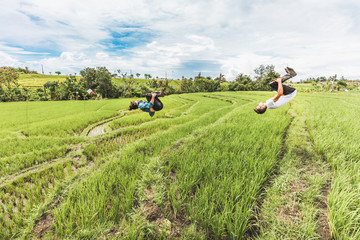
(279, 91)
(153, 95)
(152, 101)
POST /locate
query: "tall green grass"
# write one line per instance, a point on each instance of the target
(334, 129)
(210, 156)
(20, 196)
(113, 187)
(220, 172)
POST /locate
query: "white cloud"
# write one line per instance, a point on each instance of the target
(316, 38)
(7, 60)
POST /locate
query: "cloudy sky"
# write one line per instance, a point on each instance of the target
(182, 38)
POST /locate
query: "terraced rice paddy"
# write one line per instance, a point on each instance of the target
(206, 166)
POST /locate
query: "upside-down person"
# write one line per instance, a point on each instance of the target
(152, 104)
(284, 93)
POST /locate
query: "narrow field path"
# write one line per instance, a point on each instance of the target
(35, 168)
(30, 170)
(295, 203)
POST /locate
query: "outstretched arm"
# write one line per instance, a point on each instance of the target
(279, 91)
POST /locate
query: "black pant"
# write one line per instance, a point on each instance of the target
(286, 89)
(158, 105)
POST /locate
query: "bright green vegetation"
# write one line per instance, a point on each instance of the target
(38, 80)
(335, 130)
(197, 170)
(34, 81)
(295, 201)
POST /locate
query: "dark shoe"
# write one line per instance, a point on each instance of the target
(285, 77)
(158, 94)
(163, 92)
(290, 71)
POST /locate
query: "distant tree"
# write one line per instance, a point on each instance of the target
(118, 71)
(98, 79)
(88, 78)
(71, 88)
(243, 79)
(186, 85)
(124, 75)
(58, 72)
(264, 75)
(221, 78)
(50, 73)
(341, 83)
(114, 75)
(103, 80)
(8, 77)
(242, 83)
(138, 75)
(202, 84)
(154, 83)
(52, 86)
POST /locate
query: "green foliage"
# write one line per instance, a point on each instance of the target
(71, 89)
(103, 80)
(334, 133)
(98, 79)
(186, 86)
(264, 75)
(8, 77)
(53, 87)
(341, 83)
(88, 78)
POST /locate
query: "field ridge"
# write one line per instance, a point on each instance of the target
(295, 204)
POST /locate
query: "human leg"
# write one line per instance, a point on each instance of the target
(158, 105)
(148, 96)
(289, 74)
(274, 86)
(161, 93)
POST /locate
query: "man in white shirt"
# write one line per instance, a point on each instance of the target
(283, 96)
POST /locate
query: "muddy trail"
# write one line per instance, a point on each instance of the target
(294, 205)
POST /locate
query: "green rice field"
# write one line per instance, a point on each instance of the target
(205, 167)
(34, 81)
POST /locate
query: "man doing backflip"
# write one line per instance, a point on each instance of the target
(152, 104)
(284, 93)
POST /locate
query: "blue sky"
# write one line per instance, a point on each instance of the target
(182, 38)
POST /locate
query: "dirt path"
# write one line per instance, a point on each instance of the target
(295, 205)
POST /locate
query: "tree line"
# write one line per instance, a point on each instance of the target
(103, 84)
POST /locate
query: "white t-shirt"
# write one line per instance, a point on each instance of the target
(281, 101)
